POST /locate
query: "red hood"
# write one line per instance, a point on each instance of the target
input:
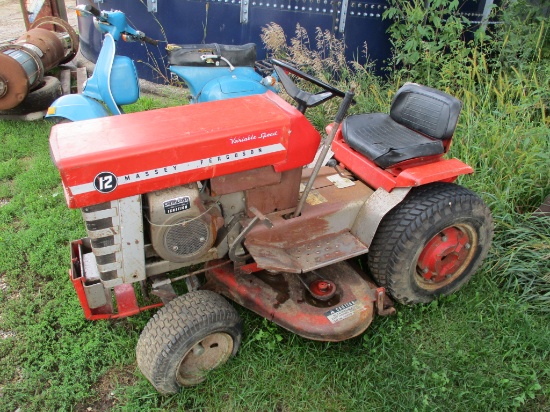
(119, 156)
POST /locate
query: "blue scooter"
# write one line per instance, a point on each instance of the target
(210, 71)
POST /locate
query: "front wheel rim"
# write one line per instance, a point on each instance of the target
(446, 256)
(207, 354)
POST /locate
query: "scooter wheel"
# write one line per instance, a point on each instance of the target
(431, 243)
(190, 336)
(38, 99)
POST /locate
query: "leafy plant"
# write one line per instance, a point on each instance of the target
(268, 335)
(428, 39)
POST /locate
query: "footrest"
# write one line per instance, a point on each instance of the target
(307, 256)
(264, 67)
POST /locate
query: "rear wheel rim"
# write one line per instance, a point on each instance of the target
(446, 256)
(207, 354)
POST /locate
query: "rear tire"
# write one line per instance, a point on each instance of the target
(191, 335)
(431, 243)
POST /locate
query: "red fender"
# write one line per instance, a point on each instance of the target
(415, 172)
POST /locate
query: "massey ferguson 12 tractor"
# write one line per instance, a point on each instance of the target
(223, 185)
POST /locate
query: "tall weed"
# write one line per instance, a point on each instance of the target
(324, 57)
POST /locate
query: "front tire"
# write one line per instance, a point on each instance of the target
(431, 243)
(191, 335)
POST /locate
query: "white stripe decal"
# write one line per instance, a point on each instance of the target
(185, 167)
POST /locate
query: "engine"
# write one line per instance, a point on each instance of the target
(182, 228)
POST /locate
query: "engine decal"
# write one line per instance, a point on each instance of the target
(181, 168)
(177, 205)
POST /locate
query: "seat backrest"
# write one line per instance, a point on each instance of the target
(426, 110)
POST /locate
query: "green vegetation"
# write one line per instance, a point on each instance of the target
(485, 348)
(502, 76)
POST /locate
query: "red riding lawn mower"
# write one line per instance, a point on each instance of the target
(223, 184)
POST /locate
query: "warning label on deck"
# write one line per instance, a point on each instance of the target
(341, 312)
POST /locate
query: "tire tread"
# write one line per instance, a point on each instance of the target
(182, 318)
(403, 226)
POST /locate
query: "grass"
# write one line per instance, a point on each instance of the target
(481, 349)
(486, 348)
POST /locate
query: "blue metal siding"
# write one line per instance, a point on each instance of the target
(196, 21)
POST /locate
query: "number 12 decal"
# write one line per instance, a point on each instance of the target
(105, 182)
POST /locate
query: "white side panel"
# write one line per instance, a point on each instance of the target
(131, 233)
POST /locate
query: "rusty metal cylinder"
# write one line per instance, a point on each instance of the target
(49, 43)
(24, 62)
(28, 62)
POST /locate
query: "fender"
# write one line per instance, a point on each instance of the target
(438, 170)
(444, 170)
(75, 107)
(229, 87)
(205, 83)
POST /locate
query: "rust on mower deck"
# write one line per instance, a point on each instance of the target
(283, 299)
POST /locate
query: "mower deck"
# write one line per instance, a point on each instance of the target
(284, 299)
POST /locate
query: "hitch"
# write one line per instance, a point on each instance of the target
(384, 305)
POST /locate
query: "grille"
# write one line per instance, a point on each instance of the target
(187, 238)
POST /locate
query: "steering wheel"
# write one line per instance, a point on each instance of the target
(304, 99)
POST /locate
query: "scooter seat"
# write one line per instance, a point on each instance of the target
(190, 54)
(420, 120)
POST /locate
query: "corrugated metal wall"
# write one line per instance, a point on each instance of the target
(240, 21)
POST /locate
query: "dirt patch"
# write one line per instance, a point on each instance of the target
(544, 209)
(3, 284)
(106, 389)
(6, 334)
(13, 25)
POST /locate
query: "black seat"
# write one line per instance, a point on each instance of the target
(420, 119)
(189, 54)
